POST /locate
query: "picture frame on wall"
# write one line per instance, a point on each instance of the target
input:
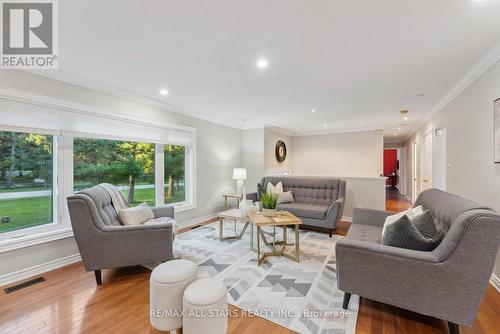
(497, 130)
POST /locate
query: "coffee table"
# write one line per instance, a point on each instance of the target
(283, 219)
(235, 215)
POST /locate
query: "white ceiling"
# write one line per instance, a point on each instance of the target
(357, 63)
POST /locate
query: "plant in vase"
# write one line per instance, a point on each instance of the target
(269, 202)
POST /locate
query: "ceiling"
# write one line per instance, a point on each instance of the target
(357, 63)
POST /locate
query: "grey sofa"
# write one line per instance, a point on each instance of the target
(104, 243)
(448, 283)
(319, 202)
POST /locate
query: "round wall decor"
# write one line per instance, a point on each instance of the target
(280, 151)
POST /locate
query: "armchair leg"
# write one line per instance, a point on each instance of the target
(347, 297)
(98, 277)
(331, 232)
(453, 328)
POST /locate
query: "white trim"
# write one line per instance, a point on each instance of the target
(495, 281)
(475, 71)
(35, 239)
(346, 219)
(65, 105)
(38, 269)
(196, 221)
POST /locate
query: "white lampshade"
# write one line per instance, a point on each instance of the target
(239, 174)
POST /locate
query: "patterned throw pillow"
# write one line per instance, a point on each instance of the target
(403, 234)
(425, 225)
(274, 189)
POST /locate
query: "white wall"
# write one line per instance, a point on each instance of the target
(271, 137)
(356, 157)
(340, 154)
(468, 120)
(218, 152)
(253, 157)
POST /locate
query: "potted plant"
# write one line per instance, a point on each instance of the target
(269, 202)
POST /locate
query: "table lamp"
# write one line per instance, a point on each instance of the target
(240, 174)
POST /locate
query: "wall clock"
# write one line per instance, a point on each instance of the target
(280, 151)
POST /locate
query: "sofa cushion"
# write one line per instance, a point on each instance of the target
(161, 221)
(367, 233)
(305, 210)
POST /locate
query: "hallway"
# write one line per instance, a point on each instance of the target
(394, 201)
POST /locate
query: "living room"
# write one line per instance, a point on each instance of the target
(240, 146)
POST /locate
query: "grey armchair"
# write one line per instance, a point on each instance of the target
(448, 283)
(104, 243)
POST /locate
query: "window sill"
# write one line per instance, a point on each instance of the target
(184, 207)
(35, 239)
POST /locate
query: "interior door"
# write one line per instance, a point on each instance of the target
(427, 163)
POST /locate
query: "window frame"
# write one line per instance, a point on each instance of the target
(63, 185)
(43, 231)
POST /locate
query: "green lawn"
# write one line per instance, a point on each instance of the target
(32, 211)
(25, 212)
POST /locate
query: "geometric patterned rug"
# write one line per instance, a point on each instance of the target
(301, 296)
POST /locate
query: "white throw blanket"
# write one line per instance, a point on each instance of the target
(117, 198)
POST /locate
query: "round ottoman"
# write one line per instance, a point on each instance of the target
(166, 286)
(205, 307)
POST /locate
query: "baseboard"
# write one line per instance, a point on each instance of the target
(38, 269)
(346, 219)
(495, 281)
(196, 221)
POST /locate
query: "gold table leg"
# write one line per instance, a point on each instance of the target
(236, 235)
(283, 243)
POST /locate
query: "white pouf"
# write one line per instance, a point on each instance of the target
(205, 307)
(166, 285)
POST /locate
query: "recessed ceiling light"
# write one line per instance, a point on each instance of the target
(406, 118)
(313, 111)
(262, 63)
(163, 92)
(399, 128)
(298, 129)
(325, 125)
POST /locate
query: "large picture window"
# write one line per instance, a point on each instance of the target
(175, 170)
(128, 165)
(26, 180)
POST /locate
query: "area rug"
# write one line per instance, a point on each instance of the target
(301, 296)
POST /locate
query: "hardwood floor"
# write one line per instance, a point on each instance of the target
(70, 302)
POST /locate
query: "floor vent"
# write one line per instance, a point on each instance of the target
(23, 285)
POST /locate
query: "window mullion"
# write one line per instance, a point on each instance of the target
(160, 174)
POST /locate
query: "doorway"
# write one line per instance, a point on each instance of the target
(440, 159)
(414, 192)
(427, 161)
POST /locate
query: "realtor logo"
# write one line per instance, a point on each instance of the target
(29, 34)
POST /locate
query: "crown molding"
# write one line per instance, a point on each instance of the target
(490, 58)
(376, 131)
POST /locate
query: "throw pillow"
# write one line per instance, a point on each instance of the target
(285, 197)
(425, 225)
(403, 234)
(274, 189)
(135, 216)
(411, 213)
